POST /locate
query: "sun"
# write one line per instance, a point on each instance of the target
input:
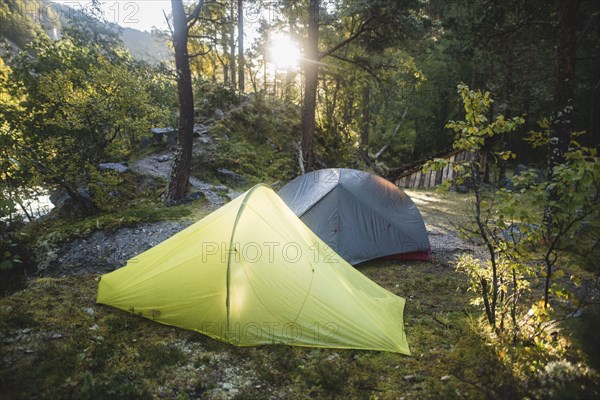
(283, 52)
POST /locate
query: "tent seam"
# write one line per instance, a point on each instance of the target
(228, 277)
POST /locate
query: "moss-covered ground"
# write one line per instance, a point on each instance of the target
(57, 343)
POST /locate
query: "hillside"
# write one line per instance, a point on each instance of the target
(145, 46)
(22, 21)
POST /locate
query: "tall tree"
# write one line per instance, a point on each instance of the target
(311, 71)
(388, 22)
(560, 128)
(241, 60)
(564, 81)
(180, 174)
(231, 29)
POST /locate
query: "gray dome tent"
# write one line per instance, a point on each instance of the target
(360, 215)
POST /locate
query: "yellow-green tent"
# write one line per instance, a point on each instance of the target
(252, 273)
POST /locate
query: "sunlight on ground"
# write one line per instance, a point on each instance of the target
(441, 211)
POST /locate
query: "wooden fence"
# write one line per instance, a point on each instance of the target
(415, 178)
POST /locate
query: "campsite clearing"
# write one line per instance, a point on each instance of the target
(56, 342)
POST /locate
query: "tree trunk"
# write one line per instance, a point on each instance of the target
(509, 90)
(232, 45)
(366, 118)
(178, 183)
(560, 126)
(241, 59)
(311, 71)
(564, 83)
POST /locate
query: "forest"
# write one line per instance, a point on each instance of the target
(112, 140)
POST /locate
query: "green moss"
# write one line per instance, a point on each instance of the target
(157, 356)
(257, 140)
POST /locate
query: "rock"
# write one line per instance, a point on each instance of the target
(507, 184)
(220, 188)
(205, 140)
(410, 378)
(520, 169)
(516, 232)
(89, 311)
(105, 252)
(159, 135)
(192, 197)
(163, 158)
(462, 189)
(200, 129)
(145, 143)
(233, 195)
(219, 115)
(162, 131)
(67, 207)
(228, 176)
(445, 378)
(117, 167)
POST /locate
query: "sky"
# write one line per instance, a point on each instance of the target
(137, 14)
(144, 15)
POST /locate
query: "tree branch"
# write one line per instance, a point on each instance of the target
(200, 53)
(195, 15)
(357, 63)
(363, 27)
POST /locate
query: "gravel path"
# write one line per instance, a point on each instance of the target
(103, 252)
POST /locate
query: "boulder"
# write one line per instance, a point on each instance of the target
(67, 207)
(200, 129)
(160, 135)
(228, 176)
(117, 167)
(145, 143)
(219, 114)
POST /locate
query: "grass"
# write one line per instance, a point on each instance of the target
(56, 342)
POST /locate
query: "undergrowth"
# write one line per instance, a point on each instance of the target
(257, 139)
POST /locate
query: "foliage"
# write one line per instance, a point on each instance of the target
(83, 100)
(570, 199)
(475, 129)
(525, 265)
